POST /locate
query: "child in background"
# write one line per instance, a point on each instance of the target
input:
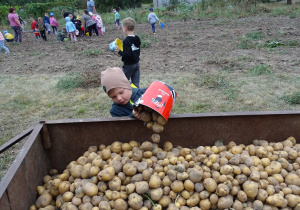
(47, 23)
(118, 88)
(117, 18)
(131, 52)
(77, 24)
(70, 27)
(42, 28)
(32, 27)
(2, 44)
(152, 18)
(61, 35)
(99, 23)
(92, 15)
(8, 36)
(53, 23)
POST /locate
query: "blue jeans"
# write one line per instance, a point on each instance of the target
(18, 33)
(133, 72)
(153, 27)
(2, 46)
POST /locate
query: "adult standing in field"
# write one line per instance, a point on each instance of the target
(89, 23)
(66, 14)
(91, 6)
(15, 24)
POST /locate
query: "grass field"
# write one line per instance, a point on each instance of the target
(218, 60)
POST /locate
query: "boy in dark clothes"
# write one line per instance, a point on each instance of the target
(131, 52)
(118, 88)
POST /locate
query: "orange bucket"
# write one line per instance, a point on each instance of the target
(160, 97)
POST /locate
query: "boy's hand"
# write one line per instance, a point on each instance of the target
(117, 49)
(136, 114)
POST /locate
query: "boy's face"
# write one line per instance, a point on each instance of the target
(120, 95)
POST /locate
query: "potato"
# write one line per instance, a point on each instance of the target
(156, 194)
(210, 184)
(250, 188)
(205, 204)
(145, 116)
(106, 174)
(164, 201)
(177, 186)
(141, 187)
(225, 202)
(161, 120)
(149, 125)
(196, 175)
(135, 201)
(274, 168)
(155, 116)
(277, 200)
(292, 200)
(90, 189)
(222, 190)
(44, 200)
(157, 128)
(292, 179)
(193, 200)
(154, 181)
(104, 205)
(155, 138)
(121, 204)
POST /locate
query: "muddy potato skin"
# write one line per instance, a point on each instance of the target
(44, 200)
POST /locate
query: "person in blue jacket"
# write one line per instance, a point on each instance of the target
(118, 88)
(47, 23)
(70, 27)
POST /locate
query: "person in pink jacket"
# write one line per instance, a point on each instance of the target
(53, 23)
(2, 44)
(99, 23)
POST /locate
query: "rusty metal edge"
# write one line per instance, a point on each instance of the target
(16, 139)
(190, 115)
(19, 159)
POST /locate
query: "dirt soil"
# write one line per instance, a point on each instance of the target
(197, 45)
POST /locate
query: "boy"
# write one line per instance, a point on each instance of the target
(118, 88)
(47, 23)
(131, 52)
(8, 36)
(117, 18)
(152, 18)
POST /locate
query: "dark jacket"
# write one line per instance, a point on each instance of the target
(46, 19)
(131, 50)
(118, 110)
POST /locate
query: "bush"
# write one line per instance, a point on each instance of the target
(3, 14)
(39, 9)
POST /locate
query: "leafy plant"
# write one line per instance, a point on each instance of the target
(260, 69)
(273, 44)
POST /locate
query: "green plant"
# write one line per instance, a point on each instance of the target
(292, 98)
(260, 69)
(70, 81)
(273, 44)
(255, 35)
(90, 52)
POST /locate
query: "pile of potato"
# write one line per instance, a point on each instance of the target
(144, 176)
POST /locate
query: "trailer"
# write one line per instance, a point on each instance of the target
(55, 143)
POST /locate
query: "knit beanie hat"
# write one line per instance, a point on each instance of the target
(114, 78)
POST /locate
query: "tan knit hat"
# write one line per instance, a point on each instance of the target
(114, 78)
